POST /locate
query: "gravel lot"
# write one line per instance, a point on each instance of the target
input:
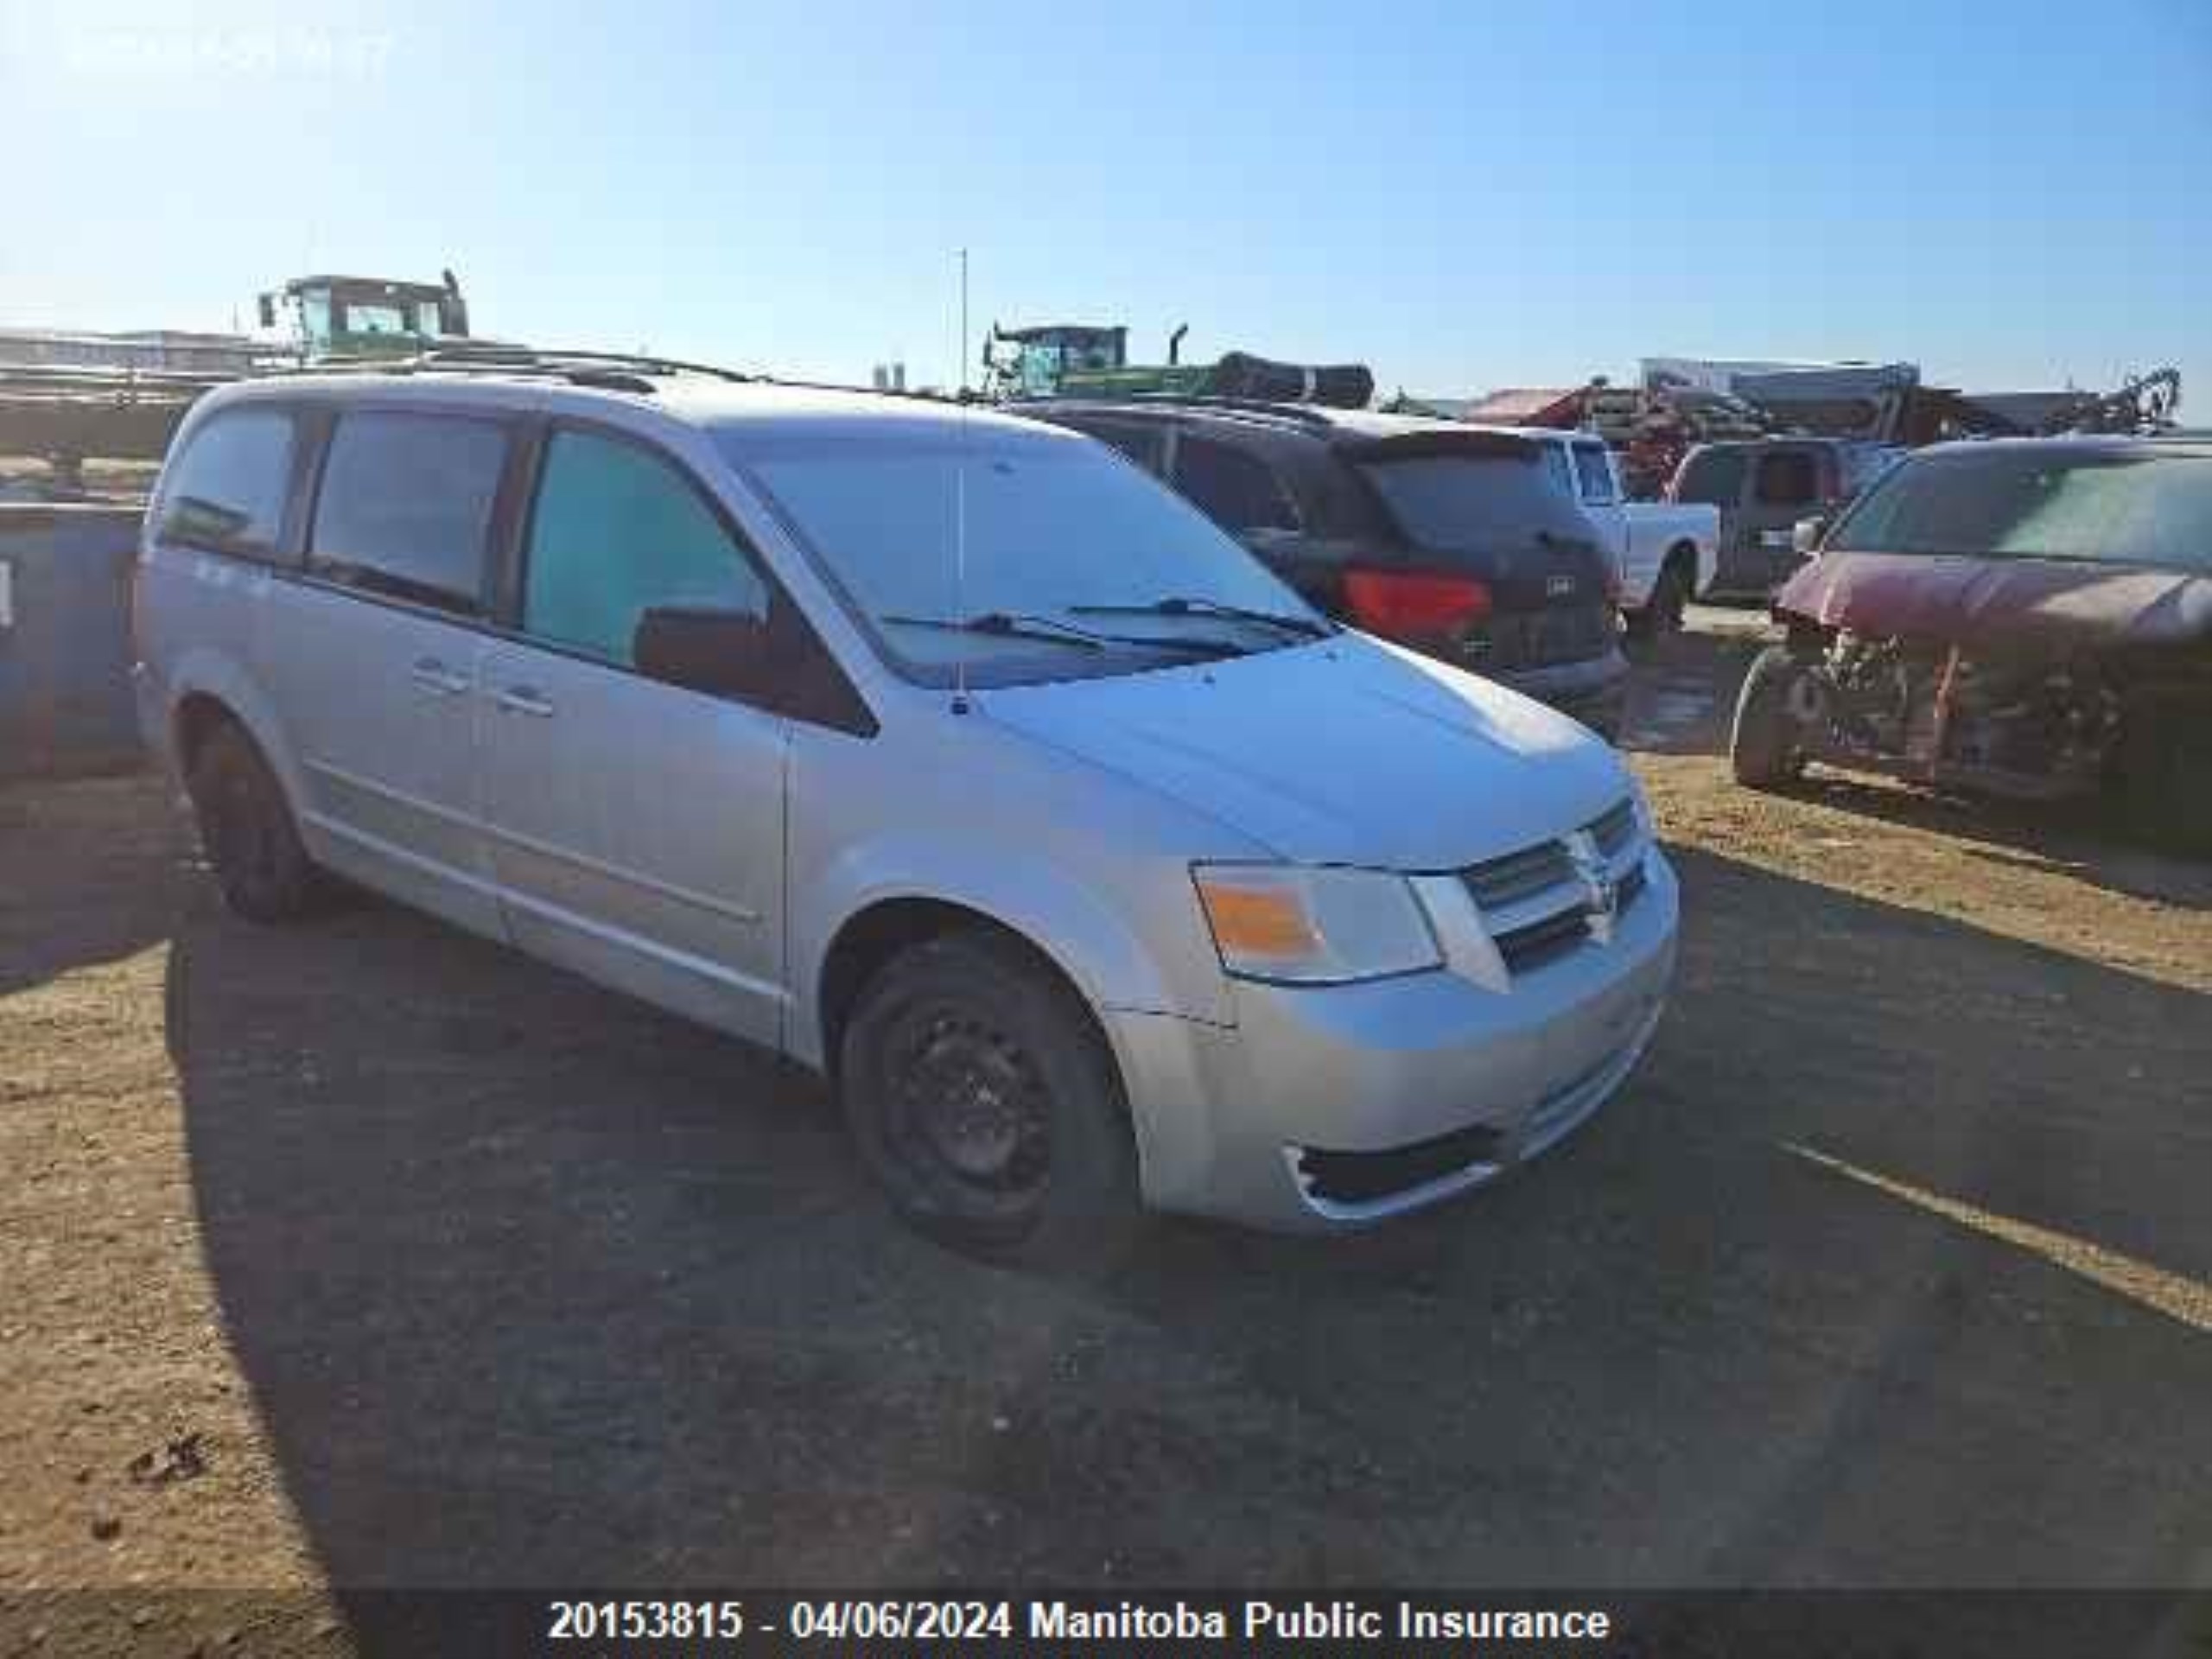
(409, 1262)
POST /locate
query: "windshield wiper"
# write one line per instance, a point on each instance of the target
(1016, 625)
(1177, 604)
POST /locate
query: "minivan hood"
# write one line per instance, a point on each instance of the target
(1984, 602)
(1347, 751)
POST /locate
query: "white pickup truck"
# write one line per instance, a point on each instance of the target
(1665, 551)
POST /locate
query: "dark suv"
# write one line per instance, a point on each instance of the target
(1442, 536)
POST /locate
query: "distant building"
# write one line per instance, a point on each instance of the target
(170, 350)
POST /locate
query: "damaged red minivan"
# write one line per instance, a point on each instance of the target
(2029, 617)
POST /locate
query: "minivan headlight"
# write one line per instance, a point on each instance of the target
(1314, 925)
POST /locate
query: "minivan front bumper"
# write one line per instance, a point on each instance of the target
(1334, 1107)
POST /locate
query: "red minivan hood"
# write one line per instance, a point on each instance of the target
(1976, 601)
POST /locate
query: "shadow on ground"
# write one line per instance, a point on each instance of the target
(537, 1288)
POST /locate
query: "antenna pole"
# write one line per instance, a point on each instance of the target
(960, 504)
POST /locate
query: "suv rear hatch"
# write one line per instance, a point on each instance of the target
(1501, 574)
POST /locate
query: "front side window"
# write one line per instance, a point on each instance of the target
(405, 509)
(226, 491)
(1715, 477)
(1236, 491)
(1596, 472)
(616, 531)
(925, 529)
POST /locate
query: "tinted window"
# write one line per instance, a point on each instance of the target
(1235, 490)
(1787, 478)
(1558, 469)
(1446, 502)
(1998, 503)
(1716, 476)
(617, 531)
(1596, 472)
(406, 506)
(1142, 444)
(228, 490)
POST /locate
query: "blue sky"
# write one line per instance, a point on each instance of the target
(1465, 195)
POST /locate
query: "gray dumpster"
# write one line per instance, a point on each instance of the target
(66, 702)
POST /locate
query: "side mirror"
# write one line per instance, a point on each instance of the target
(1806, 538)
(268, 308)
(721, 652)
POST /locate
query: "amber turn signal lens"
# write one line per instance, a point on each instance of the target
(1257, 921)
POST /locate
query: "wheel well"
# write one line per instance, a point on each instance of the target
(1683, 557)
(871, 938)
(197, 718)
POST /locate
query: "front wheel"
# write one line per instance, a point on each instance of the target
(1763, 750)
(985, 1102)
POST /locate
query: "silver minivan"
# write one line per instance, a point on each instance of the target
(945, 752)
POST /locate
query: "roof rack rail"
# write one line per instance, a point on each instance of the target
(1305, 413)
(613, 371)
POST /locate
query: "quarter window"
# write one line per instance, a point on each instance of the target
(405, 508)
(617, 531)
(1231, 487)
(227, 491)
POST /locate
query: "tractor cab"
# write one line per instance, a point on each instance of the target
(325, 317)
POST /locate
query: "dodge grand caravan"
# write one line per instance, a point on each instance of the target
(943, 752)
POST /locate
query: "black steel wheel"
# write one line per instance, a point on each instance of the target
(247, 831)
(984, 1103)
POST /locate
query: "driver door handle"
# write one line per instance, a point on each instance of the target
(524, 700)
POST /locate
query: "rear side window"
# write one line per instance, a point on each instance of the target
(1787, 478)
(1235, 490)
(1138, 443)
(1716, 476)
(405, 509)
(616, 531)
(226, 491)
(1596, 473)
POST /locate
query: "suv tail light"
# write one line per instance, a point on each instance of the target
(1414, 605)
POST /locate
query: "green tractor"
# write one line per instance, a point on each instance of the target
(1085, 360)
(324, 318)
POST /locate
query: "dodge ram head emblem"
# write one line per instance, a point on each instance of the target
(1601, 901)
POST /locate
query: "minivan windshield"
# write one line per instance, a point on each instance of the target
(1006, 556)
(2108, 506)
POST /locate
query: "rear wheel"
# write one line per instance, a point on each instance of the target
(1763, 750)
(1670, 598)
(246, 828)
(985, 1104)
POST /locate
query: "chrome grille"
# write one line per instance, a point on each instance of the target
(1536, 902)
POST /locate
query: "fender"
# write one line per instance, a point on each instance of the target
(1089, 938)
(200, 669)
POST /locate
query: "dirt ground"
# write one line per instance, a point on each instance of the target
(366, 1255)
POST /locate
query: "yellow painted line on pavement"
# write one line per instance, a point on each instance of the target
(2176, 1295)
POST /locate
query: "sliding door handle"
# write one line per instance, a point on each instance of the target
(433, 675)
(524, 700)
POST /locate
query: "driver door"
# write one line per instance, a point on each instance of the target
(635, 828)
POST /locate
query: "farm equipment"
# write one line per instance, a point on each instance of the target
(1066, 359)
(320, 319)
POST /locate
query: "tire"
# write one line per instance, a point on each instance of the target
(248, 832)
(986, 1105)
(1670, 597)
(1762, 750)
